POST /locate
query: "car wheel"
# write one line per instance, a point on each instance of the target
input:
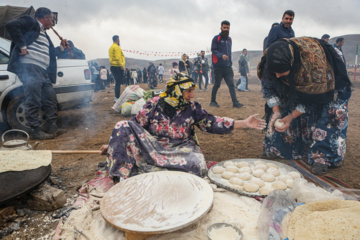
(16, 114)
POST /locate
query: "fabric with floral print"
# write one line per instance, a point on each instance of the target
(151, 141)
(323, 141)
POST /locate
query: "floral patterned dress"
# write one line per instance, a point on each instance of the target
(152, 141)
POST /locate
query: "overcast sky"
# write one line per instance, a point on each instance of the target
(188, 25)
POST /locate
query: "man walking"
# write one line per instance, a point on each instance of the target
(221, 58)
(161, 73)
(32, 58)
(117, 65)
(244, 72)
(284, 30)
(202, 66)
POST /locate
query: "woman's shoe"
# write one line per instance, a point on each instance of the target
(319, 168)
(269, 155)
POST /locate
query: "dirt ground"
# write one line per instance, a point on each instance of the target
(88, 128)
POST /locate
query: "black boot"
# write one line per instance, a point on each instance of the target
(50, 128)
(38, 134)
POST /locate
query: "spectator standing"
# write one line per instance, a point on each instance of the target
(202, 66)
(221, 58)
(265, 39)
(244, 72)
(145, 76)
(139, 75)
(152, 75)
(95, 74)
(161, 71)
(69, 52)
(104, 76)
(284, 30)
(32, 58)
(174, 69)
(325, 37)
(117, 65)
(338, 47)
(184, 64)
(134, 76)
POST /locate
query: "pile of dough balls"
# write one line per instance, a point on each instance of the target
(257, 177)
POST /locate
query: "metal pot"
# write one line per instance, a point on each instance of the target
(18, 143)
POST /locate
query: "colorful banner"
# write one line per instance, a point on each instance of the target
(163, 54)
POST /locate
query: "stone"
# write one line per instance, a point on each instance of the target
(46, 198)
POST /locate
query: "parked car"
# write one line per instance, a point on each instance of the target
(73, 88)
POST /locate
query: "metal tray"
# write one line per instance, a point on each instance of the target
(223, 183)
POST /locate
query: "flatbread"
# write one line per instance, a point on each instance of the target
(21, 160)
(335, 219)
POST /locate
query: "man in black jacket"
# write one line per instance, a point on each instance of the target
(32, 58)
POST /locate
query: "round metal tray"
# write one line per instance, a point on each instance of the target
(223, 183)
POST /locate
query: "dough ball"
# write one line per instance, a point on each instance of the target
(236, 181)
(269, 165)
(267, 177)
(261, 166)
(257, 181)
(284, 178)
(289, 182)
(232, 169)
(227, 175)
(265, 190)
(237, 187)
(258, 173)
(245, 169)
(228, 163)
(273, 171)
(279, 185)
(217, 170)
(259, 162)
(294, 175)
(251, 187)
(278, 123)
(245, 176)
(243, 164)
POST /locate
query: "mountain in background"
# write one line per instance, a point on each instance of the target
(349, 50)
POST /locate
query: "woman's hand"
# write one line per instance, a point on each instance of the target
(286, 120)
(276, 115)
(254, 122)
(103, 149)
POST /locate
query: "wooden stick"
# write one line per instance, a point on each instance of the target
(75, 151)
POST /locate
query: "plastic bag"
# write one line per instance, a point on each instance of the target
(131, 93)
(273, 210)
(126, 108)
(137, 106)
(306, 192)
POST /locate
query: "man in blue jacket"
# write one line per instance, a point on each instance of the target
(221, 58)
(32, 58)
(284, 30)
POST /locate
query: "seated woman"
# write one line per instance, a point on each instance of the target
(308, 89)
(162, 135)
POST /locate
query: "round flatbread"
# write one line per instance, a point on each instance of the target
(227, 175)
(243, 164)
(251, 187)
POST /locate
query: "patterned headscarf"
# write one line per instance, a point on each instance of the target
(175, 88)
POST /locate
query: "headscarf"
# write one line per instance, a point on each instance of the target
(172, 99)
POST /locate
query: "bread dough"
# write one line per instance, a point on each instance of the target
(245, 169)
(237, 187)
(259, 162)
(258, 173)
(265, 190)
(294, 175)
(251, 187)
(284, 178)
(257, 181)
(267, 177)
(273, 171)
(278, 123)
(245, 176)
(269, 165)
(279, 185)
(243, 164)
(261, 166)
(217, 170)
(236, 181)
(227, 175)
(228, 163)
(289, 182)
(232, 169)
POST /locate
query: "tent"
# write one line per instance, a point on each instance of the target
(8, 13)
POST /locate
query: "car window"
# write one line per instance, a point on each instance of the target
(3, 58)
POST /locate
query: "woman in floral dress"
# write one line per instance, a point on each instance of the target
(308, 89)
(162, 135)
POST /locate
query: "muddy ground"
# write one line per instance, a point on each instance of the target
(89, 127)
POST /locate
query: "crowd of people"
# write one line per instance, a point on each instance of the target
(304, 82)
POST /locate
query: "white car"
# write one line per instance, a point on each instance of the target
(73, 87)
